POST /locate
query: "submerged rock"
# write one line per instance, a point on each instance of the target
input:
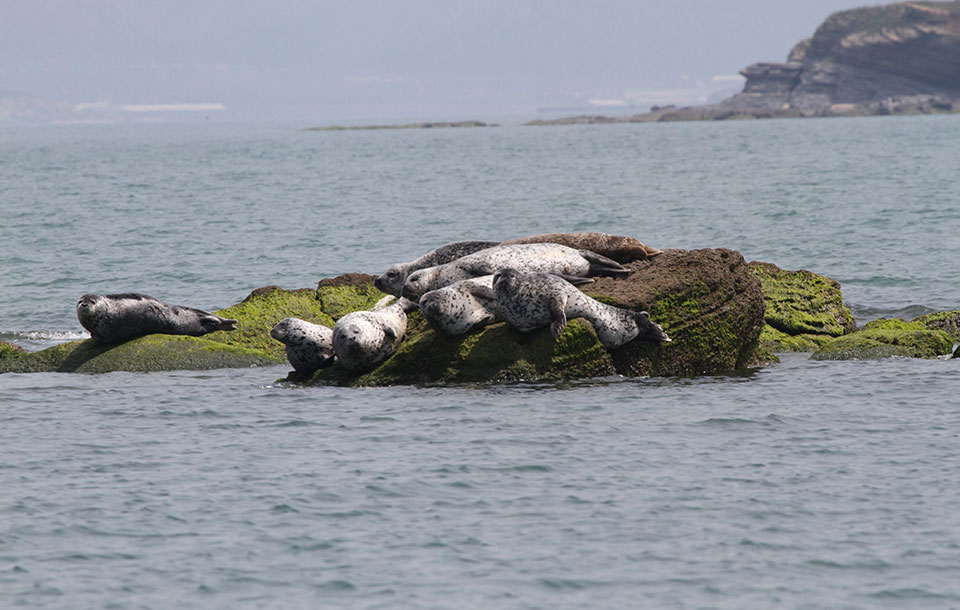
(708, 301)
(885, 338)
(803, 310)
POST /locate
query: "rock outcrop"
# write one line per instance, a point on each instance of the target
(902, 57)
(885, 338)
(804, 310)
(708, 301)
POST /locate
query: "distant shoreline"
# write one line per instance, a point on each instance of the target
(430, 125)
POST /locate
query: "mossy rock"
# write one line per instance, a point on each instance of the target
(249, 345)
(495, 353)
(10, 350)
(804, 308)
(885, 338)
(146, 354)
(261, 310)
(947, 321)
(708, 301)
(779, 341)
(346, 293)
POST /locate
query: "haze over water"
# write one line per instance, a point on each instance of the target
(801, 485)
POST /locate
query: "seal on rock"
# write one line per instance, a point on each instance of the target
(112, 318)
(309, 345)
(466, 305)
(364, 339)
(618, 247)
(544, 258)
(391, 281)
(529, 301)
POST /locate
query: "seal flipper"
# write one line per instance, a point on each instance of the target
(558, 317)
(648, 329)
(601, 265)
(212, 323)
(576, 280)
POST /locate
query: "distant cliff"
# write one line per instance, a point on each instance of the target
(891, 59)
(895, 57)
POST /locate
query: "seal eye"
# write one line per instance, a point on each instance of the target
(391, 274)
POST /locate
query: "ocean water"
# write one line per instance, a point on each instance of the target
(799, 485)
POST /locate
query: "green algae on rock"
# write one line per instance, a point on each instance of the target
(885, 338)
(249, 345)
(146, 354)
(804, 310)
(707, 301)
(262, 309)
(947, 321)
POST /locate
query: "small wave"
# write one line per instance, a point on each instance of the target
(43, 335)
(866, 313)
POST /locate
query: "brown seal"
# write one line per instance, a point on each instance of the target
(618, 247)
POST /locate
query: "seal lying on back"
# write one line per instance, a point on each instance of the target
(113, 318)
(391, 281)
(618, 247)
(309, 345)
(544, 258)
(529, 301)
(364, 339)
(466, 305)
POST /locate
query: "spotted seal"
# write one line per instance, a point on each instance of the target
(529, 301)
(545, 258)
(618, 247)
(309, 345)
(364, 339)
(112, 318)
(466, 305)
(391, 281)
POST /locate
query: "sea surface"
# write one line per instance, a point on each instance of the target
(804, 484)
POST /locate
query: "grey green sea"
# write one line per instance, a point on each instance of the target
(803, 484)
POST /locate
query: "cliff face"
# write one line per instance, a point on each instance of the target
(897, 57)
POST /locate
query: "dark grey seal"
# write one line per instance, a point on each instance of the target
(391, 281)
(541, 257)
(364, 339)
(309, 345)
(112, 318)
(466, 305)
(529, 301)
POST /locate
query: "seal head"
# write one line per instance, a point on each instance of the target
(309, 346)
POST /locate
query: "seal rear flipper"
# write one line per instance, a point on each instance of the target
(576, 280)
(212, 323)
(558, 316)
(601, 265)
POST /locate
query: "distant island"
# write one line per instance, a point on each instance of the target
(901, 58)
(433, 125)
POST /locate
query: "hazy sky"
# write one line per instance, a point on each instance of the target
(355, 59)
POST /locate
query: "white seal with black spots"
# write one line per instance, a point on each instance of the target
(529, 301)
(309, 345)
(112, 318)
(541, 257)
(466, 305)
(364, 339)
(391, 281)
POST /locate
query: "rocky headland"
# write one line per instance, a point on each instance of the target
(901, 58)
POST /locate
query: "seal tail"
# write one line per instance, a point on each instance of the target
(601, 265)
